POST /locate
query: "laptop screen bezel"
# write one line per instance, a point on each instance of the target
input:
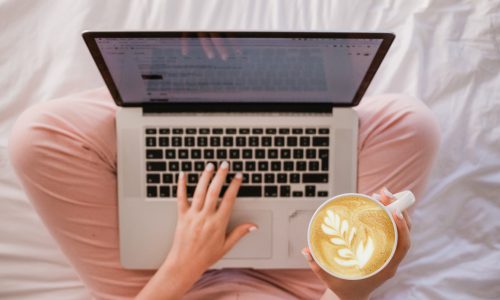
(91, 36)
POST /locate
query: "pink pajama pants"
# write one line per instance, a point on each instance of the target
(64, 152)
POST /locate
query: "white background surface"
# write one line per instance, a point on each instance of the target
(447, 53)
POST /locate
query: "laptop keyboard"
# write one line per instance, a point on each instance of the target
(275, 162)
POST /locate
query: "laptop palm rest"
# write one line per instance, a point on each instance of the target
(256, 244)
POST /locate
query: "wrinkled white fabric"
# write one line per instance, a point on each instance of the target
(447, 53)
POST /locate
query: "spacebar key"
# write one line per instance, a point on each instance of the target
(314, 177)
(250, 191)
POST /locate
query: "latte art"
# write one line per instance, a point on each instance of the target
(352, 236)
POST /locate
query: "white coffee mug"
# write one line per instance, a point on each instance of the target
(403, 200)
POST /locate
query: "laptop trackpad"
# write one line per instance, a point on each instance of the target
(257, 244)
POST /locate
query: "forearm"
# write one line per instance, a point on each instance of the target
(329, 295)
(170, 282)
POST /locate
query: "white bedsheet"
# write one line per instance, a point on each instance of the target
(447, 53)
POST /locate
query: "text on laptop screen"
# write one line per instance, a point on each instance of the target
(225, 69)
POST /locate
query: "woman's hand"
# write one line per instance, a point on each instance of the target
(361, 289)
(200, 237)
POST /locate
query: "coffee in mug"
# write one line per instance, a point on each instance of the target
(353, 236)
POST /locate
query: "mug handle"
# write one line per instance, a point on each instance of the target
(404, 200)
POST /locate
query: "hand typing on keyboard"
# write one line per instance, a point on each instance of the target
(200, 237)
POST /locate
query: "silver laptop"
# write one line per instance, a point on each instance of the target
(275, 105)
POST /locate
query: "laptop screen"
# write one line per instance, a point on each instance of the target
(231, 68)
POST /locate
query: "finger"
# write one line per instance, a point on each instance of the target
(201, 187)
(404, 241)
(320, 273)
(229, 197)
(182, 200)
(386, 197)
(184, 44)
(215, 188)
(206, 45)
(237, 234)
(406, 215)
(219, 46)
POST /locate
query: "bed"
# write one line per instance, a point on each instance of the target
(447, 53)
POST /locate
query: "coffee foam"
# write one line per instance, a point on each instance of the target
(352, 237)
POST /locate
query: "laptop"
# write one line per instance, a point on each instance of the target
(276, 105)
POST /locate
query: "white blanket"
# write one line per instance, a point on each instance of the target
(447, 53)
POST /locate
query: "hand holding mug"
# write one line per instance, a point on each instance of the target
(345, 259)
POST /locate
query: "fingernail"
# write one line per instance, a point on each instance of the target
(376, 197)
(238, 175)
(181, 175)
(306, 255)
(224, 165)
(399, 214)
(387, 193)
(209, 167)
(253, 228)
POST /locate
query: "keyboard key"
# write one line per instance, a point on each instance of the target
(241, 141)
(152, 191)
(217, 131)
(320, 141)
(183, 153)
(249, 166)
(195, 153)
(282, 178)
(294, 178)
(276, 165)
(257, 130)
(152, 154)
(272, 153)
(230, 130)
(163, 141)
(323, 155)
(227, 141)
(256, 178)
(298, 153)
(301, 165)
(150, 130)
(221, 153)
(305, 141)
(260, 153)
(284, 191)
(297, 194)
(314, 177)
(266, 141)
(284, 131)
(208, 153)
(204, 131)
(164, 191)
(170, 153)
(247, 153)
(263, 166)
(285, 153)
(253, 141)
(279, 141)
(310, 130)
(168, 178)
(164, 130)
(173, 166)
(246, 178)
(250, 191)
(177, 141)
(271, 191)
(186, 166)
(322, 193)
(269, 178)
(202, 141)
(156, 166)
(311, 153)
(270, 130)
(192, 178)
(177, 131)
(214, 141)
(244, 131)
(191, 131)
(234, 153)
(199, 166)
(153, 178)
(324, 131)
(288, 166)
(291, 141)
(237, 166)
(151, 141)
(297, 130)
(190, 190)
(313, 166)
(310, 191)
(174, 191)
(189, 141)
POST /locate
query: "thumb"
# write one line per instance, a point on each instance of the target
(322, 275)
(237, 234)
